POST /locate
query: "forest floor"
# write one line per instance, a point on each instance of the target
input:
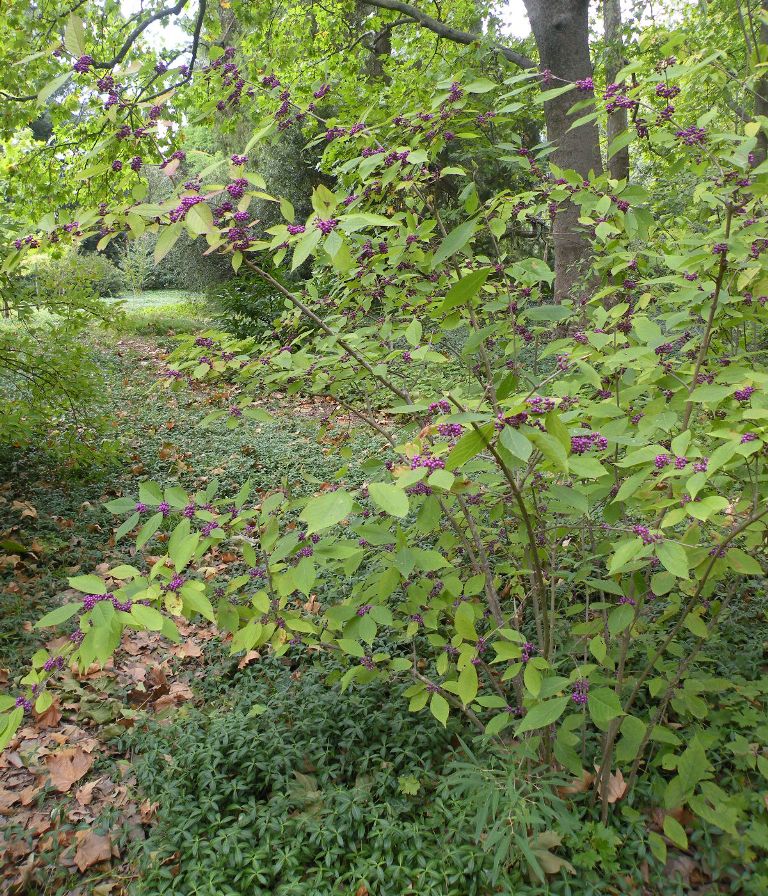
(69, 808)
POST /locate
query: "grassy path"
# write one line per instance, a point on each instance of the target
(53, 524)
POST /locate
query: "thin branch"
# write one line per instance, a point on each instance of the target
(163, 13)
(453, 34)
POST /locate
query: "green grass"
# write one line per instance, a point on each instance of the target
(155, 298)
(160, 312)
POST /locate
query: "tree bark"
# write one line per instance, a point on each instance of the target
(618, 164)
(761, 91)
(561, 31)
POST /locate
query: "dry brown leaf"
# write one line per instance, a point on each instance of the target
(50, 718)
(147, 811)
(26, 509)
(617, 787)
(188, 649)
(91, 849)
(7, 799)
(68, 767)
(577, 785)
(248, 658)
(84, 794)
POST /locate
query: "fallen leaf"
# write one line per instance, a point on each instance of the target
(617, 787)
(7, 799)
(92, 848)
(147, 811)
(67, 767)
(577, 785)
(188, 649)
(84, 794)
(26, 510)
(50, 718)
(248, 658)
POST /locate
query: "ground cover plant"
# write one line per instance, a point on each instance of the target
(554, 529)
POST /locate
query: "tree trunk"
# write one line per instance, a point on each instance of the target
(761, 97)
(561, 30)
(618, 164)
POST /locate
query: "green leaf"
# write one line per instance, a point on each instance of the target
(351, 647)
(413, 332)
(743, 563)
(552, 449)
(74, 35)
(148, 617)
(464, 621)
(167, 240)
(304, 575)
(696, 625)
(632, 734)
(199, 219)
(470, 444)
(481, 85)
(516, 443)
(586, 467)
(442, 479)
(673, 558)
(149, 528)
(676, 832)
(617, 144)
(127, 525)
(532, 680)
(604, 706)
(44, 701)
(88, 584)
(326, 510)
(464, 289)
(439, 708)
(455, 240)
(182, 545)
(658, 847)
(305, 247)
(197, 602)
(547, 95)
(120, 505)
(52, 87)
(287, 210)
(467, 684)
(59, 615)
(598, 648)
(150, 493)
(390, 498)
(711, 393)
(624, 554)
(246, 637)
(619, 618)
(542, 714)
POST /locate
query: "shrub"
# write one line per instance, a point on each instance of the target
(136, 263)
(65, 277)
(548, 546)
(245, 306)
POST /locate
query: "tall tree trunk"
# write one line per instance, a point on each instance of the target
(618, 164)
(761, 91)
(561, 30)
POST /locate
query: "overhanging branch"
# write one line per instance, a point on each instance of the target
(445, 31)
